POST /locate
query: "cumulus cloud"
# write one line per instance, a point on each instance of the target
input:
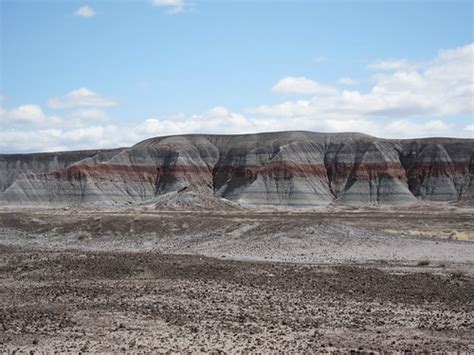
(54, 139)
(406, 102)
(407, 128)
(83, 124)
(470, 128)
(300, 86)
(85, 11)
(442, 87)
(26, 114)
(82, 97)
(92, 114)
(234, 123)
(174, 6)
(33, 141)
(217, 120)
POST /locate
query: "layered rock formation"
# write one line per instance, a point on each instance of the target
(301, 169)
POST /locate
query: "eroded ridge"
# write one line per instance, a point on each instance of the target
(294, 169)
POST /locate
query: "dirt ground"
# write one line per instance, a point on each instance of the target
(82, 281)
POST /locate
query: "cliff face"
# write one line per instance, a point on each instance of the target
(299, 169)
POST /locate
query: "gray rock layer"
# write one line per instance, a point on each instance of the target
(300, 169)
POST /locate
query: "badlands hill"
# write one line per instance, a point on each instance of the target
(298, 169)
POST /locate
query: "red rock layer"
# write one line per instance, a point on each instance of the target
(335, 166)
(104, 172)
(438, 169)
(278, 170)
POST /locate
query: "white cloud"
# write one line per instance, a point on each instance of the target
(403, 103)
(29, 128)
(217, 120)
(82, 97)
(300, 86)
(347, 81)
(50, 139)
(92, 133)
(442, 87)
(459, 54)
(174, 6)
(234, 123)
(26, 115)
(85, 11)
(407, 128)
(90, 114)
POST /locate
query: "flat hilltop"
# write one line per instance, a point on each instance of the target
(293, 169)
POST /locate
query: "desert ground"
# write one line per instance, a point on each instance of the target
(341, 279)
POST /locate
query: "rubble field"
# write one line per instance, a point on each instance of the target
(91, 281)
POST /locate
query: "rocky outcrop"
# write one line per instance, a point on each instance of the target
(301, 169)
(12, 165)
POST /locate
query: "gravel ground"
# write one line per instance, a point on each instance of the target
(76, 281)
(76, 301)
(277, 236)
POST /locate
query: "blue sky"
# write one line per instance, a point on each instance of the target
(84, 74)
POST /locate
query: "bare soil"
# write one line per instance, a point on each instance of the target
(76, 281)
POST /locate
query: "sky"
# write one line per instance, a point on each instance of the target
(109, 73)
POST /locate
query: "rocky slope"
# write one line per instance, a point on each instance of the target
(300, 169)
